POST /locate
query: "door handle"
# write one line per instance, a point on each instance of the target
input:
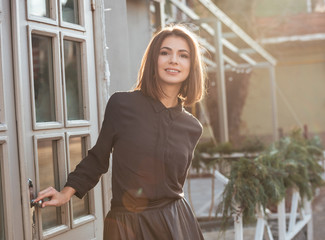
(32, 195)
(33, 206)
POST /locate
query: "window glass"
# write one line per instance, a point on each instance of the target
(43, 78)
(40, 8)
(70, 11)
(2, 222)
(77, 151)
(73, 80)
(48, 176)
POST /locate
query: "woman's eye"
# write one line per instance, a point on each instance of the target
(184, 56)
(163, 53)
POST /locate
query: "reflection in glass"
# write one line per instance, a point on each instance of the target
(43, 78)
(40, 8)
(2, 223)
(77, 151)
(73, 79)
(49, 176)
(70, 11)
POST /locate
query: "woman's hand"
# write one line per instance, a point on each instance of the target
(56, 198)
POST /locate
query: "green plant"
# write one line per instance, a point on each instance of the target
(252, 144)
(299, 158)
(292, 162)
(252, 183)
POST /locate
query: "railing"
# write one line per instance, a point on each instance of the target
(298, 218)
(289, 224)
(296, 222)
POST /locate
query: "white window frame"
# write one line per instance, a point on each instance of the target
(56, 78)
(81, 25)
(6, 190)
(84, 74)
(91, 198)
(53, 20)
(3, 125)
(65, 226)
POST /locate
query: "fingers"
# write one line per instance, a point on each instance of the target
(49, 192)
(52, 202)
(55, 198)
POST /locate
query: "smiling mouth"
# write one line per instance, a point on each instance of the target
(172, 71)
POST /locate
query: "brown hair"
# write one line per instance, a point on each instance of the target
(193, 87)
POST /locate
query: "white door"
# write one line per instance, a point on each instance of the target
(56, 107)
(11, 224)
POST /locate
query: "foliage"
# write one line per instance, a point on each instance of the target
(299, 158)
(252, 183)
(292, 162)
(252, 144)
(197, 160)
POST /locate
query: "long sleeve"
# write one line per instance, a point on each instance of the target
(89, 170)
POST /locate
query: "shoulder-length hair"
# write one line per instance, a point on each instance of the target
(193, 87)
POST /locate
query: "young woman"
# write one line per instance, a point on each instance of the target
(152, 138)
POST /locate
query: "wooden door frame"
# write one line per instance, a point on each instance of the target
(19, 93)
(8, 137)
(15, 23)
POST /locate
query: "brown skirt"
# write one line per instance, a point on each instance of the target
(173, 220)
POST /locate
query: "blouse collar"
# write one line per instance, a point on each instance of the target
(159, 106)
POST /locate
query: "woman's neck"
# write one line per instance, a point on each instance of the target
(169, 102)
(170, 98)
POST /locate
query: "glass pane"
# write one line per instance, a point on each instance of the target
(43, 78)
(77, 151)
(48, 176)
(2, 223)
(70, 11)
(40, 8)
(73, 79)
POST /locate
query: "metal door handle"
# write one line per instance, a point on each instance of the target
(33, 203)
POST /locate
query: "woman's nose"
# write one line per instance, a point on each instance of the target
(173, 58)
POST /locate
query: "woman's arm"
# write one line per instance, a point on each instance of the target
(56, 198)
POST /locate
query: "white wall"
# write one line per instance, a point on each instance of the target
(128, 33)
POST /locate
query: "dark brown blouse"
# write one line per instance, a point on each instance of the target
(152, 148)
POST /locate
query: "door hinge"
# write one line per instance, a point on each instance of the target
(93, 5)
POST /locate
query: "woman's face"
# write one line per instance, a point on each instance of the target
(174, 61)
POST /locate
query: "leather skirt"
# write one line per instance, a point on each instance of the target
(166, 220)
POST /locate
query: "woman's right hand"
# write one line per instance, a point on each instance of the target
(56, 198)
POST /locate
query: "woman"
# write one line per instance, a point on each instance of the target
(153, 139)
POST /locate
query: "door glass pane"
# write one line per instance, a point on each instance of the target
(70, 11)
(40, 8)
(73, 79)
(77, 151)
(2, 223)
(43, 78)
(48, 176)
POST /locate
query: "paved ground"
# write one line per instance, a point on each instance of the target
(201, 201)
(319, 215)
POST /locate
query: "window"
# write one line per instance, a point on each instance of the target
(44, 94)
(47, 151)
(77, 151)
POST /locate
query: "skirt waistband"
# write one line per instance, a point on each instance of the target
(149, 205)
